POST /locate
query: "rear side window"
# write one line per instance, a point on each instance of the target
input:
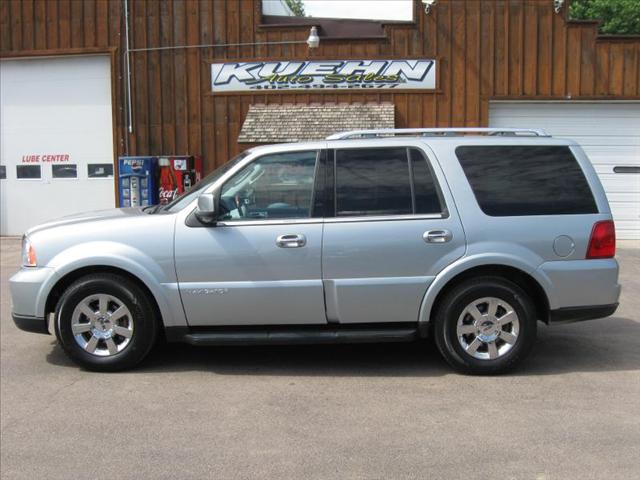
(384, 181)
(526, 180)
(427, 195)
(372, 181)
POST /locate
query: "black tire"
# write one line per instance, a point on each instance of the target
(452, 306)
(145, 330)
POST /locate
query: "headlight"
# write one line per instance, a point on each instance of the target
(28, 253)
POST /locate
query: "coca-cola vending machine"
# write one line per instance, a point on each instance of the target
(137, 181)
(177, 175)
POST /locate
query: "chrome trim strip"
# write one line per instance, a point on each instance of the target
(385, 132)
(305, 283)
(305, 221)
(293, 221)
(384, 218)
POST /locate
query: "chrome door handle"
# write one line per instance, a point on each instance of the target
(437, 236)
(291, 241)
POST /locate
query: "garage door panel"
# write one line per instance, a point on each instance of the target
(612, 141)
(600, 153)
(604, 169)
(618, 182)
(627, 229)
(569, 125)
(93, 142)
(605, 123)
(609, 133)
(606, 163)
(74, 118)
(54, 106)
(623, 197)
(627, 210)
(580, 111)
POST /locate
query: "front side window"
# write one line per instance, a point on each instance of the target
(384, 181)
(275, 186)
(514, 180)
(186, 198)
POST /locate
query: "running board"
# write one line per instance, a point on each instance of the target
(293, 336)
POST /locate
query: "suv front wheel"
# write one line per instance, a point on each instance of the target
(105, 322)
(485, 325)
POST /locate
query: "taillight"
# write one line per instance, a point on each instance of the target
(602, 243)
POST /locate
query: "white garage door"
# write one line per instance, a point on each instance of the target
(609, 132)
(56, 139)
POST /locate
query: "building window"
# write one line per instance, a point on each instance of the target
(28, 172)
(344, 19)
(3, 172)
(64, 170)
(100, 170)
(398, 10)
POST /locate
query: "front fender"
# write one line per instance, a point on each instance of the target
(479, 260)
(161, 282)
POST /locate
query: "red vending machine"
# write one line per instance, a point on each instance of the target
(177, 176)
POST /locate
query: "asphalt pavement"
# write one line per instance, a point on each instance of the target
(347, 412)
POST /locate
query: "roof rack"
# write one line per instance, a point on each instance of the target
(436, 132)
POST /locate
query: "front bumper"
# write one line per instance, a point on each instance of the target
(30, 324)
(29, 290)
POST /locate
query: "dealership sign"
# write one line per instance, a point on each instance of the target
(323, 75)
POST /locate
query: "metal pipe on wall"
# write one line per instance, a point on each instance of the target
(128, 65)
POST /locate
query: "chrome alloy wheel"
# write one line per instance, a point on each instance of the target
(102, 325)
(488, 328)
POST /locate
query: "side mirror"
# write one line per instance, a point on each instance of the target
(206, 211)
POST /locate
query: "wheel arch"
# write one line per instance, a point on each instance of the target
(516, 274)
(157, 279)
(63, 283)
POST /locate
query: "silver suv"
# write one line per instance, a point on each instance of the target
(466, 236)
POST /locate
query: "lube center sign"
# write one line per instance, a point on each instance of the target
(414, 74)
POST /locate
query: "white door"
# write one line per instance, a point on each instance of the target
(609, 132)
(56, 139)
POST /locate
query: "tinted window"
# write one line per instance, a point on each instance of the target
(426, 192)
(526, 180)
(28, 171)
(65, 170)
(100, 170)
(272, 187)
(373, 181)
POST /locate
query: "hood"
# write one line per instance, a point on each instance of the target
(95, 216)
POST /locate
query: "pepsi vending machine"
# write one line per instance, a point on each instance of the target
(137, 178)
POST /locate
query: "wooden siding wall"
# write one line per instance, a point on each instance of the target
(485, 49)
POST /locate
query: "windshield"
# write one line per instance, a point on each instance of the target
(187, 197)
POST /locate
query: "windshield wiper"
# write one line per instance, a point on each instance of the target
(151, 209)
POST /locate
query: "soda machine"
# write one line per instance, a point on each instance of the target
(177, 175)
(137, 186)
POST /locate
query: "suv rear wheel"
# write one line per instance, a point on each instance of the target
(105, 322)
(485, 325)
